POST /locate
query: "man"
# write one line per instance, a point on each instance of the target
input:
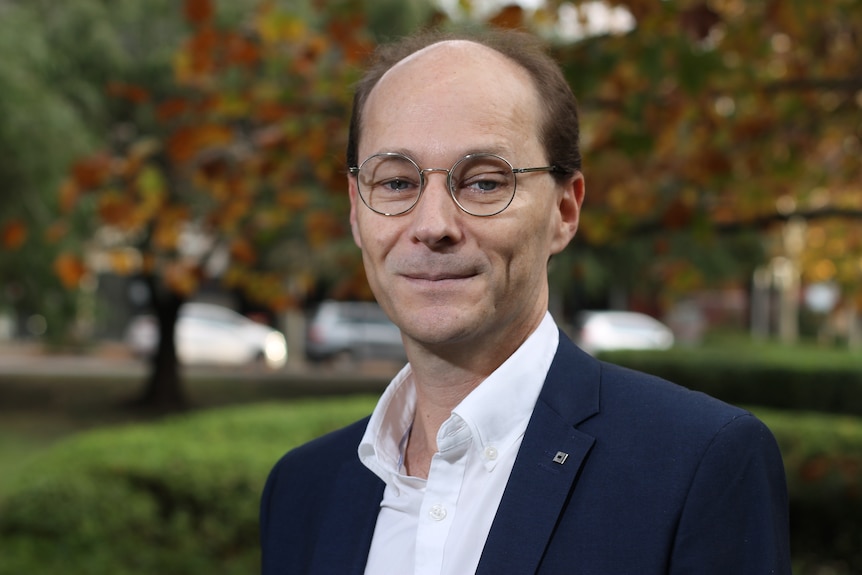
(501, 448)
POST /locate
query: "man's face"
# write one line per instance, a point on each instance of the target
(456, 283)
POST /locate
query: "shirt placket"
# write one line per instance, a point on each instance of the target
(437, 514)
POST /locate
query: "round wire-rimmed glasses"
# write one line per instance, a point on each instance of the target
(481, 184)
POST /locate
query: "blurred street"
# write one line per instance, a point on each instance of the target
(28, 360)
(30, 371)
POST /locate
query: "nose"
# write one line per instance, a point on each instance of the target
(435, 220)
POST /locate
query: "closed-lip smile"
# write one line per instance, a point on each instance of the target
(435, 277)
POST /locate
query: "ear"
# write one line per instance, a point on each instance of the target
(353, 192)
(568, 212)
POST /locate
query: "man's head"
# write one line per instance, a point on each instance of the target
(458, 284)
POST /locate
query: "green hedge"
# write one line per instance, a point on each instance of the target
(181, 497)
(792, 378)
(823, 461)
(175, 498)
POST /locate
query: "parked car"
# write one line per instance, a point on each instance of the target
(212, 334)
(598, 331)
(348, 331)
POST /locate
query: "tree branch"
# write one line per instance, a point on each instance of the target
(757, 223)
(850, 84)
(766, 220)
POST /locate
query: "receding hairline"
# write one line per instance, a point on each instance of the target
(476, 52)
(449, 44)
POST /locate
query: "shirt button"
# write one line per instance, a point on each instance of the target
(437, 512)
(491, 453)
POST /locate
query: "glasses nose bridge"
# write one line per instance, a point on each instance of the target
(423, 171)
(424, 182)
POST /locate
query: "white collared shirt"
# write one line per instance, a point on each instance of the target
(439, 526)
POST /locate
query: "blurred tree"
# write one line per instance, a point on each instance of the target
(237, 176)
(54, 62)
(40, 132)
(707, 127)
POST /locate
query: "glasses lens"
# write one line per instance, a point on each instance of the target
(483, 184)
(389, 183)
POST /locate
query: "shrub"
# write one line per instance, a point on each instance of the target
(178, 497)
(788, 378)
(823, 461)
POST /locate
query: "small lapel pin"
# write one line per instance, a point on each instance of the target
(561, 457)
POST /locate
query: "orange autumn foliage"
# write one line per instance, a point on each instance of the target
(70, 269)
(198, 11)
(188, 141)
(13, 234)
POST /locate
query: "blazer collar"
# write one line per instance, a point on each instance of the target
(540, 483)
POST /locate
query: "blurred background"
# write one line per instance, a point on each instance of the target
(175, 251)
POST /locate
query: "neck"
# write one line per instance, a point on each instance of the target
(443, 376)
(440, 387)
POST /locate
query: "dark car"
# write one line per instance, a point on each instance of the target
(350, 331)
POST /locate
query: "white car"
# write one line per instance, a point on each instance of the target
(212, 334)
(614, 330)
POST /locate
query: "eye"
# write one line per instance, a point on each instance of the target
(390, 175)
(483, 183)
(481, 176)
(396, 185)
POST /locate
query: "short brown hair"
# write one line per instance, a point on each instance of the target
(560, 131)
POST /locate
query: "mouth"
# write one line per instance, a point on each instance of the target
(435, 281)
(438, 277)
(436, 272)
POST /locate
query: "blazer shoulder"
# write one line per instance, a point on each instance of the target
(584, 389)
(320, 487)
(298, 485)
(651, 394)
(333, 447)
(596, 394)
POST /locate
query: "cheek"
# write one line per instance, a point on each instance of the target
(374, 265)
(530, 249)
(375, 238)
(520, 254)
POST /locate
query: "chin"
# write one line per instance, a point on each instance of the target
(437, 325)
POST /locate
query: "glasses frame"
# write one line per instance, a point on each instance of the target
(354, 170)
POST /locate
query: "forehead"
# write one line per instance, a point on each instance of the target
(455, 95)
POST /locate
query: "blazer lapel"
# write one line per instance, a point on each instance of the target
(349, 524)
(551, 455)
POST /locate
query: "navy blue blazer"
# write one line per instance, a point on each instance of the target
(658, 480)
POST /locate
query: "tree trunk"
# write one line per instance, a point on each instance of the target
(164, 391)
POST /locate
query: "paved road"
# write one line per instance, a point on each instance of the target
(21, 362)
(73, 366)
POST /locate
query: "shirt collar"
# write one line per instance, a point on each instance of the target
(381, 448)
(497, 411)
